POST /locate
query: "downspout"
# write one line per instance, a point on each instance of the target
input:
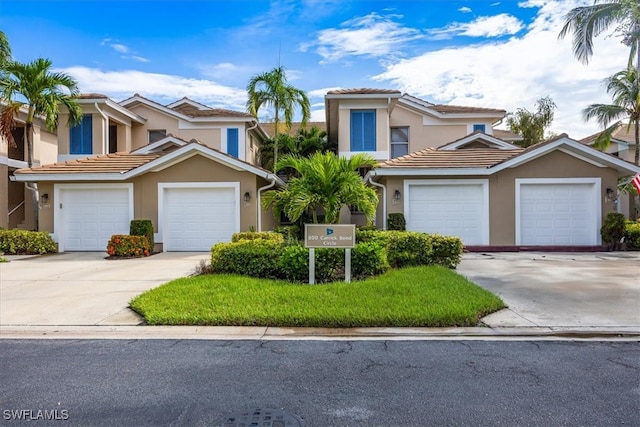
(105, 143)
(260, 190)
(246, 139)
(384, 200)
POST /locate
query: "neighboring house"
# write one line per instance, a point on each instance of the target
(270, 127)
(623, 146)
(187, 167)
(16, 207)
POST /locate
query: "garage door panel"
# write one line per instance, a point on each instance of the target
(198, 218)
(558, 214)
(90, 216)
(448, 209)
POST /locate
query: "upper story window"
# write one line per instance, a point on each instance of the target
(81, 138)
(399, 141)
(479, 127)
(232, 141)
(157, 135)
(363, 130)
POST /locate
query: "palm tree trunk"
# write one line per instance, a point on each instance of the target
(32, 187)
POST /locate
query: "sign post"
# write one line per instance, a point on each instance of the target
(336, 236)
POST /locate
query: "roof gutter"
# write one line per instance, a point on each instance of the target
(259, 207)
(105, 144)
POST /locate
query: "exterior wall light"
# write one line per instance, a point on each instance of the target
(397, 195)
(247, 197)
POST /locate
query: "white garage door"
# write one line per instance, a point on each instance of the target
(558, 214)
(197, 218)
(90, 216)
(452, 209)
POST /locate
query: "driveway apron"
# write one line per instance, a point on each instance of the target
(78, 288)
(559, 289)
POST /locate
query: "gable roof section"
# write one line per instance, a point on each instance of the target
(161, 145)
(98, 98)
(620, 135)
(124, 166)
(449, 111)
(190, 113)
(478, 136)
(364, 93)
(487, 161)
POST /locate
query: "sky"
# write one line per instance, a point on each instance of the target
(484, 53)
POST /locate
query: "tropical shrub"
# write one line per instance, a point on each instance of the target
(368, 259)
(258, 235)
(446, 250)
(142, 227)
(408, 248)
(396, 221)
(291, 233)
(612, 231)
(257, 258)
(124, 245)
(632, 235)
(26, 242)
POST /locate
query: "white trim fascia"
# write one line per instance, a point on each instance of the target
(58, 209)
(432, 112)
(502, 145)
(484, 183)
(583, 158)
(397, 95)
(392, 171)
(112, 104)
(162, 186)
(189, 101)
(13, 163)
(596, 201)
(49, 177)
(607, 159)
(150, 148)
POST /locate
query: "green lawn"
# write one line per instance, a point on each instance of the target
(419, 296)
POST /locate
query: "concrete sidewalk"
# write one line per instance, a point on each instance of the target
(550, 296)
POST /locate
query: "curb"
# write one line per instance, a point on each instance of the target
(275, 333)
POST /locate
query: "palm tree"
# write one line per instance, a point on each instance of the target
(305, 143)
(5, 48)
(623, 88)
(34, 86)
(271, 89)
(587, 22)
(325, 182)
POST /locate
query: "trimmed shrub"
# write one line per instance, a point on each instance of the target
(256, 258)
(21, 242)
(294, 263)
(124, 245)
(269, 236)
(408, 248)
(612, 231)
(142, 227)
(632, 235)
(291, 233)
(396, 221)
(446, 250)
(368, 259)
(379, 236)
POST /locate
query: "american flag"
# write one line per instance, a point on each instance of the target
(636, 182)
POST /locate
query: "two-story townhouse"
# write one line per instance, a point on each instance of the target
(16, 206)
(444, 168)
(187, 167)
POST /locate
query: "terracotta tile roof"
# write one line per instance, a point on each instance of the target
(109, 163)
(92, 96)
(457, 109)
(467, 158)
(364, 91)
(191, 111)
(270, 128)
(506, 135)
(620, 133)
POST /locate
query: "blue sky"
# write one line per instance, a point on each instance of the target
(485, 53)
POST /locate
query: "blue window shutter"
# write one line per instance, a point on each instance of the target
(81, 136)
(232, 142)
(479, 127)
(363, 130)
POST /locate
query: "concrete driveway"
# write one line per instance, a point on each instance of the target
(83, 288)
(560, 289)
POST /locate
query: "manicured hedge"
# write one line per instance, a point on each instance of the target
(14, 242)
(142, 227)
(256, 258)
(396, 221)
(124, 245)
(632, 235)
(258, 235)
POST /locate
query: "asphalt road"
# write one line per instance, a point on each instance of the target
(324, 383)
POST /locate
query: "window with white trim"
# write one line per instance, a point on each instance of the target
(81, 137)
(157, 135)
(399, 141)
(480, 127)
(363, 130)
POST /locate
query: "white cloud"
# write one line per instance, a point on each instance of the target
(483, 26)
(162, 88)
(516, 72)
(119, 48)
(465, 9)
(125, 50)
(371, 35)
